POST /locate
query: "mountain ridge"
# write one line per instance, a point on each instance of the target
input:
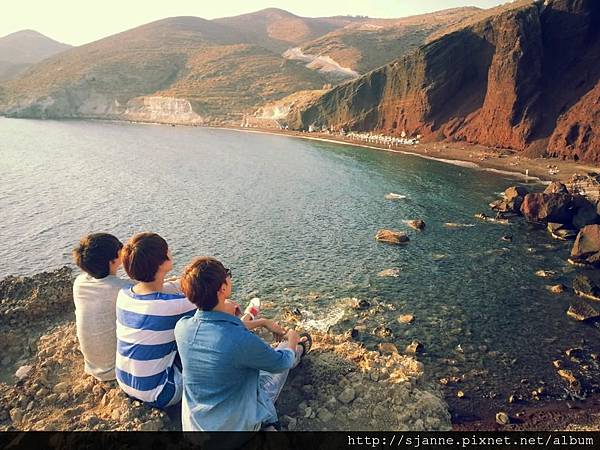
(223, 68)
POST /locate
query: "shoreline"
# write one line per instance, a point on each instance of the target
(474, 156)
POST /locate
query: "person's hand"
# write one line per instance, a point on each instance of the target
(292, 339)
(277, 330)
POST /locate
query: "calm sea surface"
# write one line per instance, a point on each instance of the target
(295, 219)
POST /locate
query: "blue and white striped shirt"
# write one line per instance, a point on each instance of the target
(146, 348)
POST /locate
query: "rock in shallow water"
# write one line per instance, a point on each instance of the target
(581, 311)
(406, 318)
(587, 245)
(502, 418)
(389, 273)
(585, 287)
(417, 224)
(391, 237)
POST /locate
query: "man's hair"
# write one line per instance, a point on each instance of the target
(201, 280)
(143, 254)
(95, 252)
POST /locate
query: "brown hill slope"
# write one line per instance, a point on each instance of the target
(20, 50)
(524, 76)
(277, 30)
(175, 55)
(370, 43)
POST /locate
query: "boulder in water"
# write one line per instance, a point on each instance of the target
(417, 224)
(391, 237)
(557, 288)
(561, 231)
(406, 318)
(585, 212)
(414, 347)
(394, 273)
(541, 207)
(586, 248)
(585, 287)
(582, 311)
(513, 199)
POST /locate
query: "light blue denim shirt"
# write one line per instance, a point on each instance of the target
(221, 363)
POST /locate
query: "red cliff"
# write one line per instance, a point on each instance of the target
(524, 76)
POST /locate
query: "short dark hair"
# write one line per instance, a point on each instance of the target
(143, 254)
(95, 252)
(201, 280)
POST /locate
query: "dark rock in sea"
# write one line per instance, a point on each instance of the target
(586, 248)
(515, 398)
(557, 288)
(556, 187)
(585, 212)
(382, 331)
(582, 311)
(561, 231)
(511, 201)
(361, 304)
(574, 352)
(507, 238)
(502, 418)
(417, 224)
(414, 347)
(585, 287)
(391, 237)
(540, 207)
(574, 385)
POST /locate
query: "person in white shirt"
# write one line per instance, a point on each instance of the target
(95, 294)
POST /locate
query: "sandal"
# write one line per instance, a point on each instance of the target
(307, 344)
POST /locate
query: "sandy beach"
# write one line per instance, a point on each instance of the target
(505, 161)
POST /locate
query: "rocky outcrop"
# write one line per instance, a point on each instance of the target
(587, 245)
(525, 77)
(541, 207)
(391, 237)
(339, 385)
(162, 110)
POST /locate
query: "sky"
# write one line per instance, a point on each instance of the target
(78, 22)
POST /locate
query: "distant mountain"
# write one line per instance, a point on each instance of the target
(192, 70)
(20, 50)
(524, 76)
(278, 30)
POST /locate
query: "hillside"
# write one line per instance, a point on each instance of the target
(20, 50)
(184, 57)
(367, 44)
(191, 70)
(523, 76)
(278, 30)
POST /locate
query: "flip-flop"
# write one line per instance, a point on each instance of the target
(306, 345)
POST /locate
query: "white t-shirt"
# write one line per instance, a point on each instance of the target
(96, 317)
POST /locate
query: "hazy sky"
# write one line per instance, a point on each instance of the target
(77, 22)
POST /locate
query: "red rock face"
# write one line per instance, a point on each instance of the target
(525, 78)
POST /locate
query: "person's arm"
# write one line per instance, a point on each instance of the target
(277, 330)
(253, 352)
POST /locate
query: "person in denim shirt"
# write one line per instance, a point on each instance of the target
(231, 377)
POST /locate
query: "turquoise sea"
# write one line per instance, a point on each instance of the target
(295, 221)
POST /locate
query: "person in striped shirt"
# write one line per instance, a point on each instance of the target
(148, 366)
